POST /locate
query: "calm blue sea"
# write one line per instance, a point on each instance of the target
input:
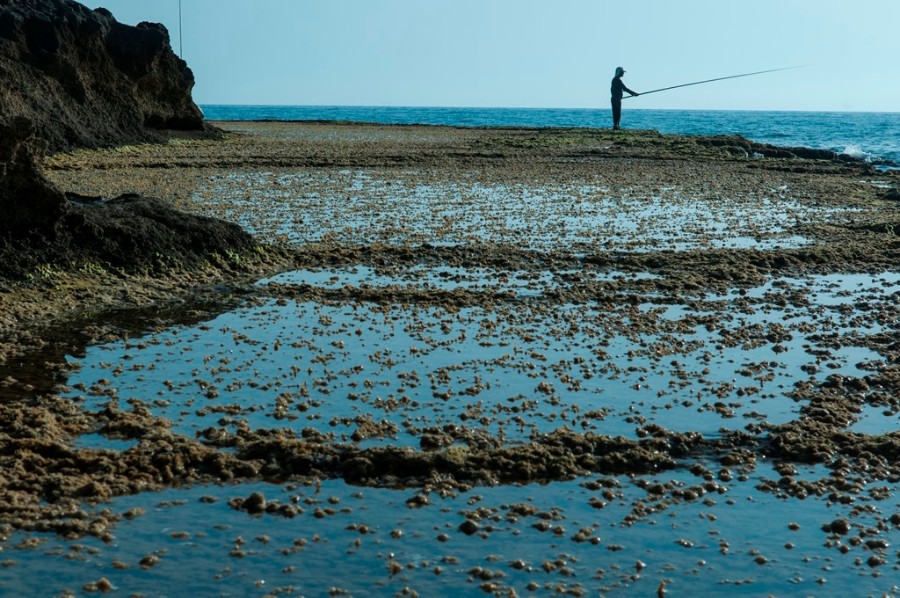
(874, 136)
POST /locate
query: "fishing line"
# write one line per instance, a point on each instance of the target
(786, 68)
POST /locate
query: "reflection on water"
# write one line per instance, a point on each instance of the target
(568, 537)
(377, 356)
(369, 372)
(511, 371)
(362, 207)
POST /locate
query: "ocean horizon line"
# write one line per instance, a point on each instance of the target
(870, 135)
(541, 108)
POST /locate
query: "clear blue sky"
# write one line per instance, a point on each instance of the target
(535, 53)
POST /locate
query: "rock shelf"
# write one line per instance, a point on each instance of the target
(466, 308)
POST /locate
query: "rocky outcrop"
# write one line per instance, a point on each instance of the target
(27, 200)
(135, 232)
(86, 80)
(130, 233)
(74, 77)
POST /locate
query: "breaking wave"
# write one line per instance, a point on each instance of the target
(854, 151)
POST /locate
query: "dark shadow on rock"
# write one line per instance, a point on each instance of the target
(28, 201)
(131, 233)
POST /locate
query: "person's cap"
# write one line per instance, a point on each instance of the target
(620, 70)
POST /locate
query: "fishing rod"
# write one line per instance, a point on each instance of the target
(786, 68)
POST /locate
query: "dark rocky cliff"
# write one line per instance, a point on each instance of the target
(86, 80)
(73, 77)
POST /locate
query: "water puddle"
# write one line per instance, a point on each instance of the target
(578, 537)
(364, 207)
(102, 442)
(373, 373)
(445, 278)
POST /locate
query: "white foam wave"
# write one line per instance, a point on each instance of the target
(854, 151)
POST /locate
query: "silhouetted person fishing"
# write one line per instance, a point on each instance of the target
(616, 89)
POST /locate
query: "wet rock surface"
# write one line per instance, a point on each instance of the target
(129, 233)
(527, 280)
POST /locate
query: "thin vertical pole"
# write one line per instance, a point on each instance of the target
(180, 40)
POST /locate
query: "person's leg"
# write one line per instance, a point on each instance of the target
(617, 113)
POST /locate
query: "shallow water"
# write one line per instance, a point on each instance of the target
(511, 371)
(293, 362)
(495, 352)
(373, 207)
(557, 538)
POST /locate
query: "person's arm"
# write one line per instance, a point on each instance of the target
(634, 93)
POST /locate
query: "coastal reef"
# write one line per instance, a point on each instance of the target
(476, 335)
(431, 188)
(321, 358)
